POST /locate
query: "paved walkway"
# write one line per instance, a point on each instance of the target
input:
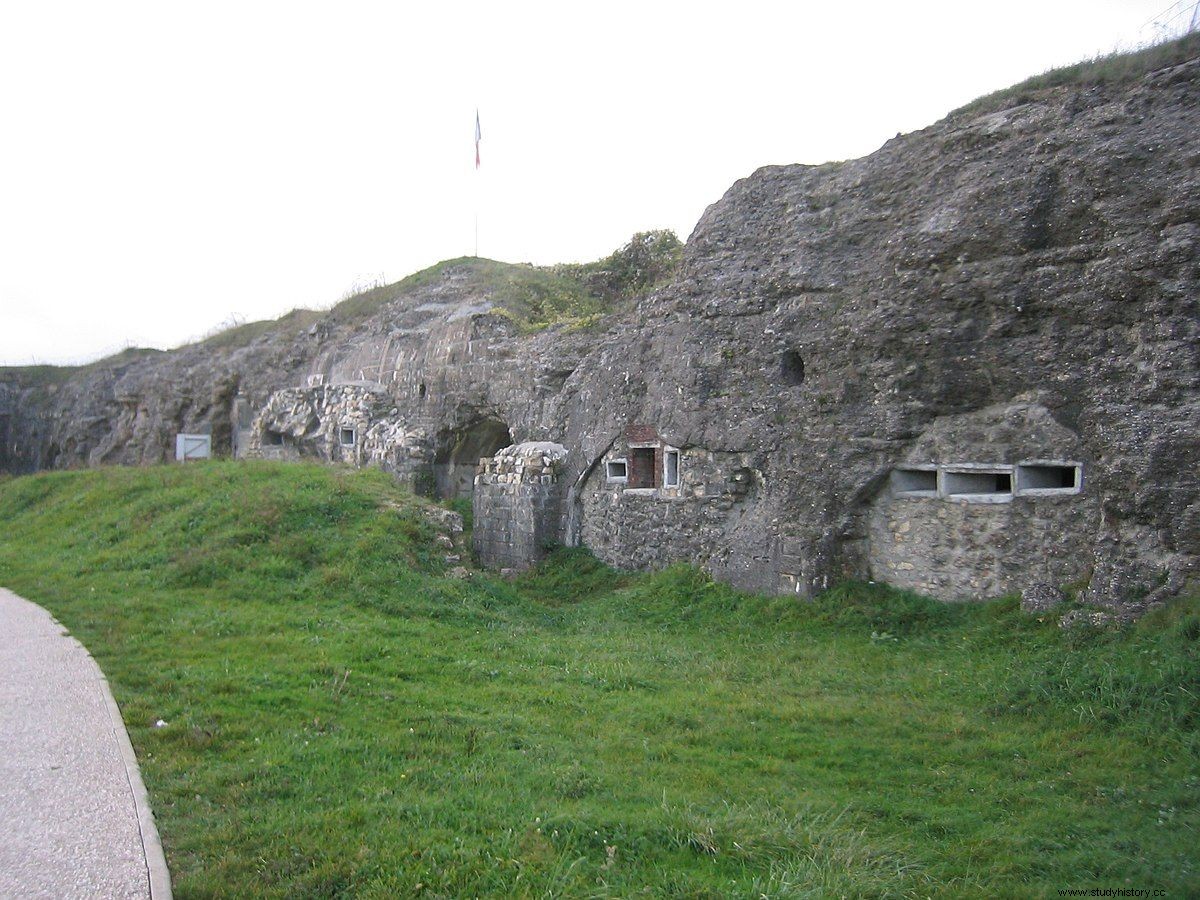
(74, 821)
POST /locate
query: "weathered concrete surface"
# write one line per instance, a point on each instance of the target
(1004, 286)
(74, 821)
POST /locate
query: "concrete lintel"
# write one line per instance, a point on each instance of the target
(979, 498)
(639, 492)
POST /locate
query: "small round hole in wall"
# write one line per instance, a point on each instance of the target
(791, 368)
(421, 391)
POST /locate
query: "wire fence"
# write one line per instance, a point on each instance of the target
(1180, 18)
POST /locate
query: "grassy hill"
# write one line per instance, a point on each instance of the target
(44, 375)
(537, 296)
(1106, 69)
(533, 297)
(343, 719)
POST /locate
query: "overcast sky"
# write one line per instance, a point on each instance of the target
(165, 167)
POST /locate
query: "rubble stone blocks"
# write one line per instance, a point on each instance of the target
(517, 504)
(1039, 598)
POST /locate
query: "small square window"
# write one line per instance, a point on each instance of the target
(617, 470)
(348, 437)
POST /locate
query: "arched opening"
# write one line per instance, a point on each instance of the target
(459, 453)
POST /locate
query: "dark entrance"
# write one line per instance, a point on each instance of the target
(643, 468)
(454, 466)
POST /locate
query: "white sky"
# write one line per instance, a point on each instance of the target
(166, 166)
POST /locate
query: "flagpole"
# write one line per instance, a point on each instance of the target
(478, 136)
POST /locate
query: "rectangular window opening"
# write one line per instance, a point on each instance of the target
(273, 438)
(617, 470)
(994, 485)
(671, 468)
(642, 471)
(1057, 478)
(914, 482)
(348, 437)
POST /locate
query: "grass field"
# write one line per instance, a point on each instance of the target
(344, 720)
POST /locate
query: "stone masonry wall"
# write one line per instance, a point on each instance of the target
(350, 423)
(517, 505)
(980, 546)
(640, 528)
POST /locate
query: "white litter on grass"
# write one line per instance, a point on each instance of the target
(160, 724)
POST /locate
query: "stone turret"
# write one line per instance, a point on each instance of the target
(518, 504)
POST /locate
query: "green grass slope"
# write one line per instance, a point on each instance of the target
(345, 720)
(44, 375)
(1109, 68)
(535, 297)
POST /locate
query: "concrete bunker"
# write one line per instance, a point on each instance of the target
(459, 454)
(644, 502)
(974, 513)
(331, 422)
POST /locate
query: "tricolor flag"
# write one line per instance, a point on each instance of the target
(478, 135)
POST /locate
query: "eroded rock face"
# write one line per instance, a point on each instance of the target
(1004, 296)
(1007, 289)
